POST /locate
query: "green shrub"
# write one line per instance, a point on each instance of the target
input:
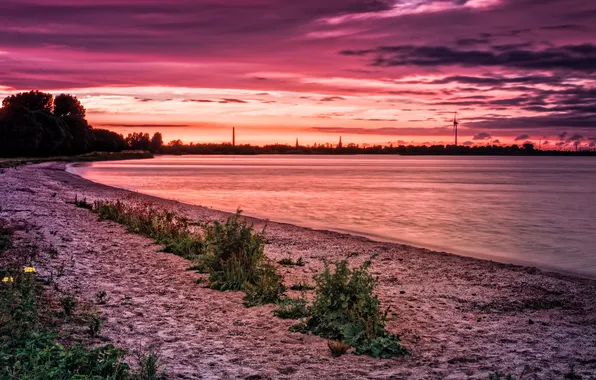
(292, 308)
(268, 288)
(345, 309)
(235, 260)
(68, 304)
(38, 356)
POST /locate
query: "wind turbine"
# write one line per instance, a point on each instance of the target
(455, 123)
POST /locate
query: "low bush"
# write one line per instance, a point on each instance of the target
(345, 309)
(235, 260)
(292, 308)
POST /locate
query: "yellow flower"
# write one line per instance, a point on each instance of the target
(30, 270)
(8, 279)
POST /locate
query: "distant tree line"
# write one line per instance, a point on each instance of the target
(177, 147)
(35, 124)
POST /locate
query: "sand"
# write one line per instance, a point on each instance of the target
(461, 318)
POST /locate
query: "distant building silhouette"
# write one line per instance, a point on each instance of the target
(455, 123)
(233, 136)
(297, 142)
(340, 144)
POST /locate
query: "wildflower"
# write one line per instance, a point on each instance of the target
(8, 279)
(30, 269)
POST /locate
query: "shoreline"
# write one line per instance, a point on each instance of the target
(461, 317)
(263, 219)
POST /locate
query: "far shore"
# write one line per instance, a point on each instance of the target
(461, 317)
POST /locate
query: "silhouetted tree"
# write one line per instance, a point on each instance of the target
(20, 133)
(108, 141)
(68, 105)
(32, 100)
(138, 141)
(82, 136)
(156, 143)
(55, 138)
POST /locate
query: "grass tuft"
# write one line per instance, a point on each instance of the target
(287, 261)
(292, 308)
(302, 286)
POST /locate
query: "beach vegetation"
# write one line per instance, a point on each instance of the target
(235, 260)
(302, 286)
(29, 341)
(292, 308)
(287, 261)
(230, 252)
(68, 303)
(166, 228)
(346, 309)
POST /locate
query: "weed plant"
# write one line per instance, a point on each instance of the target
(345, 309)
(292, 308)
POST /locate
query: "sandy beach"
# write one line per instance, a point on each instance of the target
(461, 318)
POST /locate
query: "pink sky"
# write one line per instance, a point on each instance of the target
(372, 71)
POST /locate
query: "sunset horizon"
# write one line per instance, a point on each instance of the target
(374, 72)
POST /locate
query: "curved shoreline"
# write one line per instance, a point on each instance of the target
(354, 233)
(460, 317)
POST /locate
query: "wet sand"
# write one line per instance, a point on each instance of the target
(460, 317)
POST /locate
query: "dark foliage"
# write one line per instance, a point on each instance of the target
(156, 143)
(32, 100)
(34, 124)
(345, 309)
(68, 105)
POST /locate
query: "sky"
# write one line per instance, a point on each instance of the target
(371, 71)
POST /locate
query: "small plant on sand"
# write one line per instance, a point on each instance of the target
(302, 286)
(68, 304)
(345, 309)
(169, 230)
(292, 308)
(287, 261)
(101, 297)
(5, 236)
(337, 348)
(149, 366)
(235, 260)
(82, 203)
(94, 324)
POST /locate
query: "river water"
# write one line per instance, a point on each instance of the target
(531, 210)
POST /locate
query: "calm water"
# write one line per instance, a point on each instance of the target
(535, 210)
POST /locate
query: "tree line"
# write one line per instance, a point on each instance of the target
(37, 124)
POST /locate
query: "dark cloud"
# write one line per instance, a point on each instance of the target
(468, 143)
(198, 100)
(439, 131)
(521, 137)
(482, 136)
(569, 57)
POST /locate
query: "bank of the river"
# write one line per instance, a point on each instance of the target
(461, 317)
